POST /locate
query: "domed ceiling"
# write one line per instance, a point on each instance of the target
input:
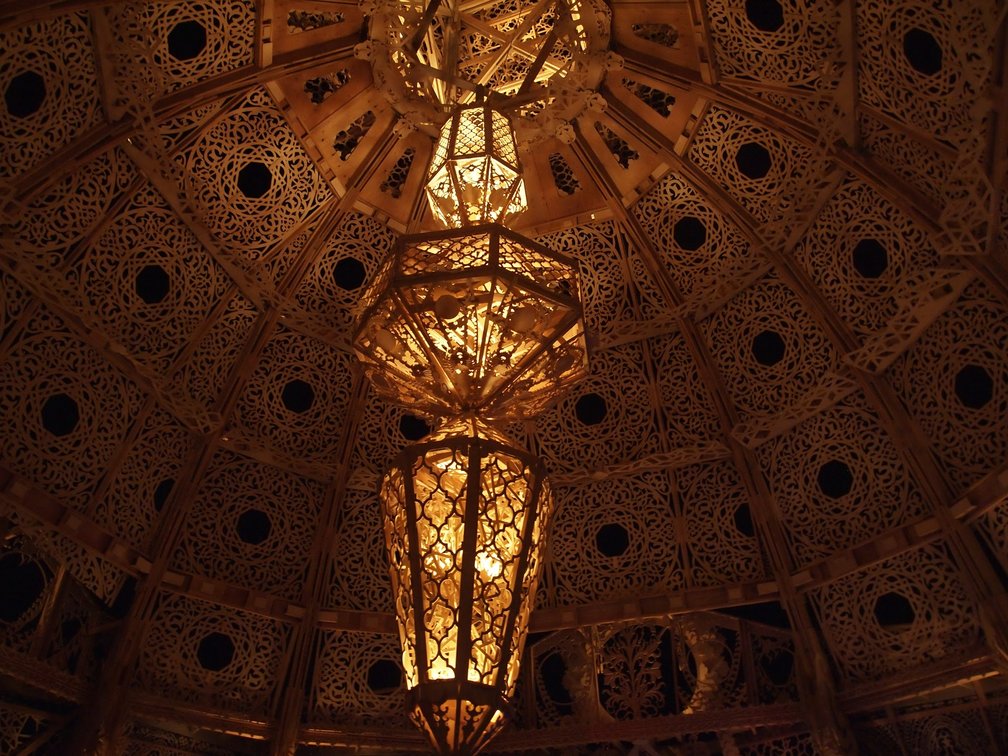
(781, 520)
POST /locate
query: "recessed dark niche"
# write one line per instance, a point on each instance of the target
(60, 414)
(297, 396)
(743, 520)
(768, 348)
(254, 180)
(922, 51)
(870, 258)
(186, 40)
(384, 676)
(974, 386)
(765, 15)
(349, 273)
(612, 540)
(413, 428)
(893, 611)
(253, 526)
(215, 652)
(753, 160)
(590, 409)
(25, 94)
(21, 583)
(689, 232)
(835, 479)
(162, 492)
(152, 284)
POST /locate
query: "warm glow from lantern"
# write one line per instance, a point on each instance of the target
(465, 520)
(474, 176)
(481, 321)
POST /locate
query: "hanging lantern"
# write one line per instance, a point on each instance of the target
(465, 520)
(474, 176)
(480, 321)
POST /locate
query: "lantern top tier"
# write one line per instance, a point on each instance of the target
(474, 176)
(479, 321)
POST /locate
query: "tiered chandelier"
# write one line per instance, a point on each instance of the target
(479, 326)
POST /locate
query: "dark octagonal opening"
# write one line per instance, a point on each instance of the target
(60, 414)
(870, 258)
(765, 15)
(893, 611)
(689, 232)
(835, 479)
(215, 652)
(413, 428)
(612, 539)
(974, 386)
(349, 273)
(254, 180)
(753, 160)
(768, 348)
(186, 40)
(384, 676)
(25, 94)
(297, 396)
(590, 409)
(152, 284)
(253, 526)
(162, 492)
(743, 520)
(922, 51)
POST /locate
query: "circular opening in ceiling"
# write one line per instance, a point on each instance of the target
(870, 258)
(612, 540)
(590, 409)
(768, 348)
(254, 180)
(835, 479)
(349, 273)
(974, 386)
(689, 232)
(60, 415)
(186, 40)
(215, 652)
(297, 396)
(922, 51)
(152, 284)
(162, 492)
(21, 583)
(743, 520)
(765, 15)
(413, 428)
(753, 160)
(893, 611)
(384, 676)
(25, 94)
(253, 526)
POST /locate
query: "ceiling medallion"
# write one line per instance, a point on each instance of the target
(540, 59)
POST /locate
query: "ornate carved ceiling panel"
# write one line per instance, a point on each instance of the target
(781, 491)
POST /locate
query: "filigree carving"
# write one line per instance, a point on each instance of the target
(358, 680)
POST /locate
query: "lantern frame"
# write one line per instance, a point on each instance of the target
(461, 712)
(417, 358)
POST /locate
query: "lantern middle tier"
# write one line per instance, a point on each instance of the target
(480, 321)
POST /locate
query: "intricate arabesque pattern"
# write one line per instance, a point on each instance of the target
(296, 399)
(686, 405)
(838, 481)
(50, 378)
(149, 280)
(769, 350)
(360, 569)
(53, 63)
(714, 501)
(606, 418)
(785, 50)
(241, 529)
(18, 727)
(240, 681)
(942, 619)
(859, 251)
(695, 240)
(613, 539)
(358, 680)
(955, 383)
(926, 63)
(765, 172)
(148, 475)
(162, 47)
(249, 179)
